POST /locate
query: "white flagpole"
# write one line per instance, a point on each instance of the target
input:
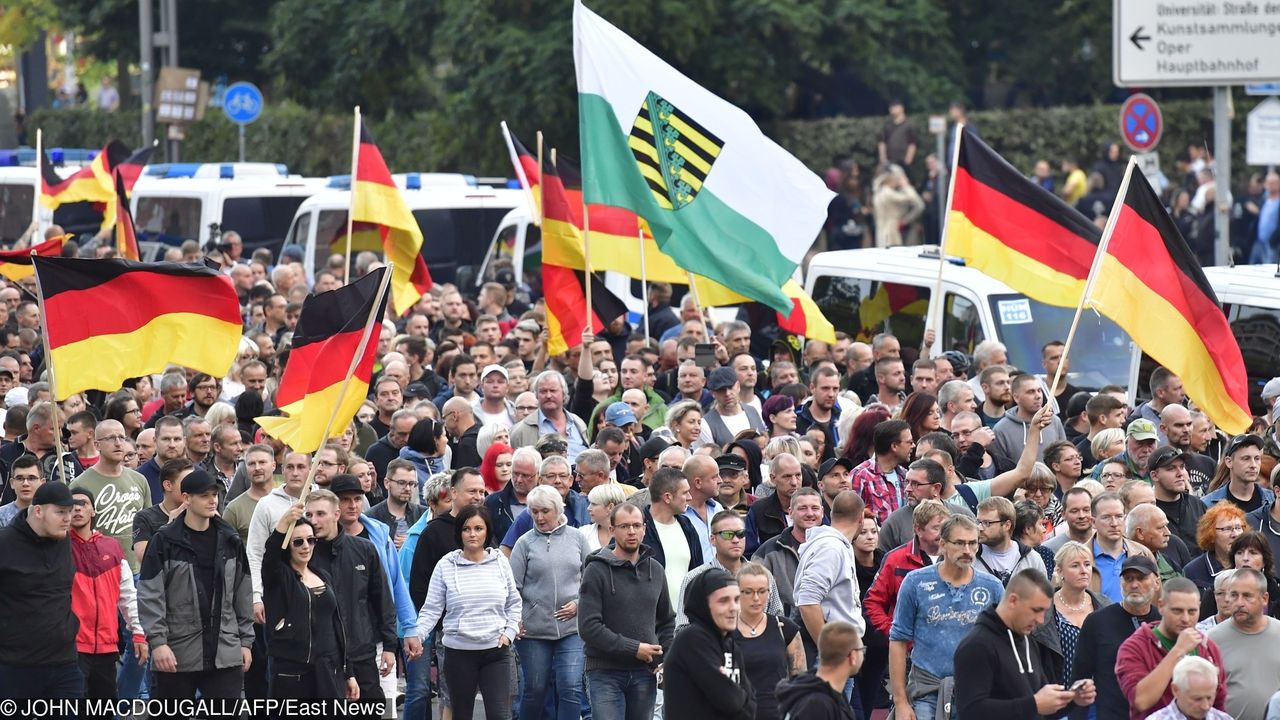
(644, 280)
(35, 203)
(942, 239)
(355, 160)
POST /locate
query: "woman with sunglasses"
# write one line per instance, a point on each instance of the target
(307, 643)
(770, 645)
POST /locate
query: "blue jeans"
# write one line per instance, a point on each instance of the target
(544, 660)
(926, 707)
(622, 694)
(417, 683)
(60, 682)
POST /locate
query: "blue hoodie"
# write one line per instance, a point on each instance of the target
(411, 543)
(380, 536)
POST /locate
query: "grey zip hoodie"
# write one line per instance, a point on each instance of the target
(620, 606)
(827, 576)
(1012, 433)
(548, 570)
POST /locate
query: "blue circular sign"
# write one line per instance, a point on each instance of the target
(242, 102)
(1141, 123)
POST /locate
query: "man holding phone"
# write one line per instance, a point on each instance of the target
(998, 668)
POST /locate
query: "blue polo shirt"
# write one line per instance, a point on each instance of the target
(1109, 571)
(577, 443)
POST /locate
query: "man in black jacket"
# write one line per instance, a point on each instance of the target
(364, 597)
(704, 673)
(38, 656)
(819, 695)
(987, 685)
(439, 539)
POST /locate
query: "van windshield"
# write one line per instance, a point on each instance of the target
(1101, 349)
(15, 210)
(169, 220)
(262, 221)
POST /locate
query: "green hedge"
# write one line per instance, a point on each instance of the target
(316, 143)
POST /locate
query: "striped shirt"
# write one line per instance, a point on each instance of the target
(478, 601)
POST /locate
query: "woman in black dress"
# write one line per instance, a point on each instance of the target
(770, 644)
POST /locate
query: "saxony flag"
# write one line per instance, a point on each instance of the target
(721, 198)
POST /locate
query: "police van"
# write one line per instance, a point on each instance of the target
(869, 291)
(198, 201)
(19, 183)
(458, 214)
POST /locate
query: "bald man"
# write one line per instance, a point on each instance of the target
(463, 430)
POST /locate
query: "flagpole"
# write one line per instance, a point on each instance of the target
(355, 159)
(342, 392)
(946, 214)
(35, 201)
(586, 251)
(693, 289)
(48, 363)
(1116, 206)
(644, 282)
(539, 211)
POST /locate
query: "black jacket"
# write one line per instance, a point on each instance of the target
(809, 697)
(436, 541)
(380, 513)
(379, 454)
(998, 672)
(1096, 650)
(364, 598)
(37, 626)
(48, 465)
(764, 520)
(464, 448)
(499, 506)
(288, 606)
(690, 535)
(704, 677)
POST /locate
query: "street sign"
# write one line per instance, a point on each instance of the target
(1262, 89)
(1262, 146)
(1194, 42)
(242, 102)
(1141, 123)
(180, 96)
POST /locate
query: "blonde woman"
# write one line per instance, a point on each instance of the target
(897, 205)
(684, 419)
(600, 503)
(1072, 603)
(1106, 444)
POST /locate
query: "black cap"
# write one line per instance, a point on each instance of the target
(1240, 441)
(729, 461)
(53, 493)
(198, 482)
(345, 483)
(829, 465)
(722, 378)
(417, 391)
(653, 447)
(1164, 455)
(1141, 563)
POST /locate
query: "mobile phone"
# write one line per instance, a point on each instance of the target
(1078, 685)
(704, 355)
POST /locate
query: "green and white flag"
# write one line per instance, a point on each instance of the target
(721, 199)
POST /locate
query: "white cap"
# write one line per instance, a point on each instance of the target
(492, 369)
(1271, 389)
(16, 396)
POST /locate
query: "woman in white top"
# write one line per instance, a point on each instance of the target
(601, 501)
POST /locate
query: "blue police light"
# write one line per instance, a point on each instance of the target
(226, 171)
(513, 184)
(56, 156)
(413, 181)
(8, 158)
(339, 182)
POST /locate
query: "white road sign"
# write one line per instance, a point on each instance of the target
(1195, 42)
(1262, 146)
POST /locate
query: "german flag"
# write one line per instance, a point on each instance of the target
(567, 306)
(126, 234)
(327, 339)
(806, 318)
(376, 200)
(1016, 231)
(111, 320)
(1150, 284)
(126, 173)
(92, 183)
(16, 264)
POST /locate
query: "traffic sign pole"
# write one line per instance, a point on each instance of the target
(1222, 175)
(241, 142)
(242, 103)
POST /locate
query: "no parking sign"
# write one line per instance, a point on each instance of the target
(1141, 123)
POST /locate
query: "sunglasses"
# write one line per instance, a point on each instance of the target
(731, 534)
(299, 542)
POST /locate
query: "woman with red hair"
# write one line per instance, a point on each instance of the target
(1218, 528)
(496, 467)
(863, 431)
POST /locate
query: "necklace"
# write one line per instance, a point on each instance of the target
(1085, 602)
(753, 630)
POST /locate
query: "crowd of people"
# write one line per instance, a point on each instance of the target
(634, 529)
(898, 200)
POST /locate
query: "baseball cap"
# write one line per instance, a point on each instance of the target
(1163, 455)
(722, 378)
(291, 252)
(53, 493)
(1142, 429)
(831, 464)
(1240, 441)
(653, 447)
(1141, 563)
(198, 482)
(417, 391)
(619, 414)
(492, 369)
(1271, 389)
(345, 483)
(15, 397)
(731, 462)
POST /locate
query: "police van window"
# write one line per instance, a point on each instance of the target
(261, 221)
(169, 220)
(865, 307)
(1025, 326)
(298, 233)
(15, 210)
(1257, 329)
(961, 324)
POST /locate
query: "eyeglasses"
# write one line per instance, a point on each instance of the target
(989, 523)
(527, 408)
(26, 478)
(629, 526)
(919, 484)
(112, 439)
(1111, 519)
(1230, 529)
(727, 535)
(401, 483)
(299, 542)
(1112, 475)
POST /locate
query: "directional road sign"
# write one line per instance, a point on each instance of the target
(1195, 42)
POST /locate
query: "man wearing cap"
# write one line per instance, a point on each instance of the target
(1243, 459)
(633, 374)
(732, 492)
(195, 600)
(622, 442)
(1140, 442)
(415, 393)
(38, 657)
(833, 479)
(493, 407)
(1176, 425)
(727, 416)
(356, 525)
(1145, 661)
(1105, 629)
(1169, 482)
(650, 451)
(119, 493)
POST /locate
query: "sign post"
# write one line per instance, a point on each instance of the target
(242, 102)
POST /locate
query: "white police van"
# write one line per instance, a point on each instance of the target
(20, 181)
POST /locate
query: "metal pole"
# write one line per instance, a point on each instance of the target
(146, 89)
(941, 198)
(169, 23)
(241, 126)
(351, 200)
(53, 383)
(1222, 175)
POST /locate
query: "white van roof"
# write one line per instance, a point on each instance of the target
(251, 186)
(1257, 285)
(917, 262)
(426, 198)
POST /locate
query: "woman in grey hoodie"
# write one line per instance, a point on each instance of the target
(547, 564)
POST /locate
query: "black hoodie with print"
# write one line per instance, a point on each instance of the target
(704, 673)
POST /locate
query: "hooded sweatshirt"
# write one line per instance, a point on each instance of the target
(827, 576)
(809, 697)
(621, 605)
(704, 674)
(478, 600)
(998, 672)
(1012, 433)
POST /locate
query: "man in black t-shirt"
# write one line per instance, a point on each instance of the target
(1106, 629)
(898, 142)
